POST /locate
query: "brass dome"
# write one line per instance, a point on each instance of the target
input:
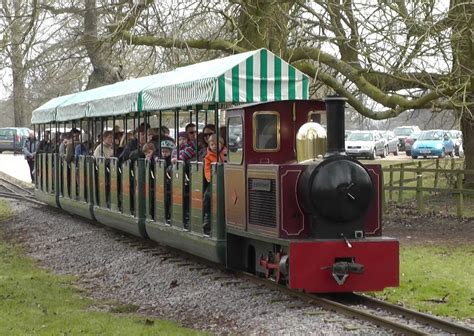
(311, 141)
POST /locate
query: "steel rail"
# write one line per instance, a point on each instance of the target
(336, 306)
(415, 315)
(16, 186)
(20, 197)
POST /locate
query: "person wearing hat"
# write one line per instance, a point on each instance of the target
(185, 149)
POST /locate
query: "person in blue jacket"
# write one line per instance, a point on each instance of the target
(448, 145)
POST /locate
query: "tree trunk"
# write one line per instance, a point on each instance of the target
(99, 52)
(463, 65)
(260, 27)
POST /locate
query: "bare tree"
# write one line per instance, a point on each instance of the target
(385, 56)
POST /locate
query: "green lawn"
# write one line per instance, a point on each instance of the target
(35, 302)
(436, 279)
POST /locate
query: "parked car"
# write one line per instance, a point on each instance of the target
(402, 132)
(456, 136)
(235, 138)
(391, 142)
(429, 143)
(365, 144)
(12, 138)
(409, 141)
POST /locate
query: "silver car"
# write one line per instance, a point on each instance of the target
(368, 144)
(12, 138)
(391, 142)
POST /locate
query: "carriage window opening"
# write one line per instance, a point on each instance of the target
(235, 138)
(266, 135)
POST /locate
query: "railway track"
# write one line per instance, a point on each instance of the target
(393, 317)
(389, 316)
(13, 190)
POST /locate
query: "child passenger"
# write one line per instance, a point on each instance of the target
(185, 149)
(211, 157)
(149, 150)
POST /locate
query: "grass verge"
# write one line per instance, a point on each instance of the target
(35, 302)
(436, 279)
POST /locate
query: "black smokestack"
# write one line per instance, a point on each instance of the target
(335, 107)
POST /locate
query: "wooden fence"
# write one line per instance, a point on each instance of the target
(413, 180)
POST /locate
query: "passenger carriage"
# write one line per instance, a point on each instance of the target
(257, 220)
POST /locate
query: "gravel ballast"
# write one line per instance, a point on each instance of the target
(165, 285)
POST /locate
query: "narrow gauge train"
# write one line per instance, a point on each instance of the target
(314, 225)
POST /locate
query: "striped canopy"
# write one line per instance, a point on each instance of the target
(255, 76)
(47, 112)
(105, 101)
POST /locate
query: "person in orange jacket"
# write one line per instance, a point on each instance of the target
(211, 157)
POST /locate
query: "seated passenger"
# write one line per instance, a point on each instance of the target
(207, 131)
(149, 150)
(135, 144)
(106, 149)
(84, 147)
(211, 157)
(166, 149)
(185, 148)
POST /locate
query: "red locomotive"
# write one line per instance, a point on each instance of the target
(316, 225)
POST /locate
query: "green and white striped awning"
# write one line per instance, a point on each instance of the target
(47, 112)
(110, 100)
(255, 76)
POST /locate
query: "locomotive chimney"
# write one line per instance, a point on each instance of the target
(335, 107)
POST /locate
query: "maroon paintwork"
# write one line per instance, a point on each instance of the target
(288, 128)
(293, 221)
(310, 265)
(310, 259)
(373, 223)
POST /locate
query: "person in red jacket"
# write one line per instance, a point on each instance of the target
(211, 157)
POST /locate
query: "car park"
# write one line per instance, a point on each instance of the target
(409, 141)
(365, 144)
(235, 138)
(429, 143)
(402, 132)
(391, 142)
(12, 138)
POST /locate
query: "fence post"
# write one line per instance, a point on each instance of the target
(419, 192)
(400, 183)
(390, 184)
(436, 174)
(460, 207)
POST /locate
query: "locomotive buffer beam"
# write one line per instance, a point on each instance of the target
(342, 269)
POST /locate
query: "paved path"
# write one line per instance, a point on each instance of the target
(16, 166)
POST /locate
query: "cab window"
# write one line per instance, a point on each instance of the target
(266, 131)
(235, 137)
(314, 116)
